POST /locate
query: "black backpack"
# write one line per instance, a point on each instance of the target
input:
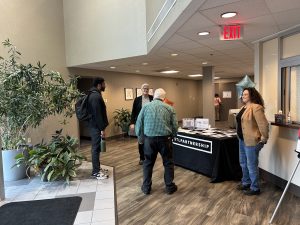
(81, 108)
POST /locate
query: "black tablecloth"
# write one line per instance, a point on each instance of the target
(217, 158)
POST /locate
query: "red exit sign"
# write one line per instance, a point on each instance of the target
(231, 32)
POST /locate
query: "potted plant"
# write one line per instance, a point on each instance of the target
(53, 161)
(28, 94)
(122, 119)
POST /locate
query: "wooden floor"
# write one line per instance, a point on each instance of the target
(196, 202)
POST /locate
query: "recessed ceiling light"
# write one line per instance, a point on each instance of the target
(228, 15)
(174, 54)
(217, 78)
(204, 63)
(203, 33)
(145, 63)
(195, 75)
(113, 67)
(169, 71)
(137, 71)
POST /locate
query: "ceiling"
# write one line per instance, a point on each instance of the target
(230, 59)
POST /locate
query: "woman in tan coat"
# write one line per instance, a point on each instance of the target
(253, 133)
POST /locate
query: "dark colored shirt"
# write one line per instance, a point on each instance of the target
(156, 119)
(239, 129)
(97, 110)
(136, 107)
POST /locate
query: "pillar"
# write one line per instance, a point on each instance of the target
(208, 90)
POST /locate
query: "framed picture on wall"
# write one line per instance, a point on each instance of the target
(138, 92)
(226, 94)
(151, 91)
(128, 93)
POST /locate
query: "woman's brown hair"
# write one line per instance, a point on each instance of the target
(255, 96)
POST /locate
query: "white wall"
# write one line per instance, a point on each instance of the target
(290, 46)
(270, 78)
(104, 30)
(278, 156)
(97, 31)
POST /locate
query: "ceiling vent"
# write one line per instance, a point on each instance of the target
(164, 11)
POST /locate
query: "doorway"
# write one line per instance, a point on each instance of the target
(229, 101)
(83, 85)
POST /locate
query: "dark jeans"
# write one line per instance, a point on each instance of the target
(96, 144)
(141, 151)
(152, 146)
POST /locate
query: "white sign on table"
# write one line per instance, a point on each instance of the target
(201, 124)
(188, 123)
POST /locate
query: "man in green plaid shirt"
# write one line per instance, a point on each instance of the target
(158, 122)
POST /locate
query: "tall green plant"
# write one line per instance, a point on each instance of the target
(28, 95)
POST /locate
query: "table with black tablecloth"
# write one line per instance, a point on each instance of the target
(216, 157)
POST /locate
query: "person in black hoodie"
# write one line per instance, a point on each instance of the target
(97, 124)
(138, 103)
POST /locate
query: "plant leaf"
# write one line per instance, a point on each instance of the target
(50, 175)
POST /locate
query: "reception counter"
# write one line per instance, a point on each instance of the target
(212, 152)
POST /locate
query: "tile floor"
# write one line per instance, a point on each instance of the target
(98, 198)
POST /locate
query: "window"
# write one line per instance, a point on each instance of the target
(290, 92)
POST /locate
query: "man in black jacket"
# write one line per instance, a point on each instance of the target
(138, 103)
(97, 124)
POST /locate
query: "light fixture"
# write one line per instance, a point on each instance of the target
(137, 71)
(217, 78)
(169, 71)
(145, 63)
(203, 33)
(195, 75)
(204, 63)
(174, 54)
(113, 67)
(228, 15)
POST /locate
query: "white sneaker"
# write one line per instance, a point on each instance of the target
(101, 176)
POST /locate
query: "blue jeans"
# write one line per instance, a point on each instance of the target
(249, 164)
